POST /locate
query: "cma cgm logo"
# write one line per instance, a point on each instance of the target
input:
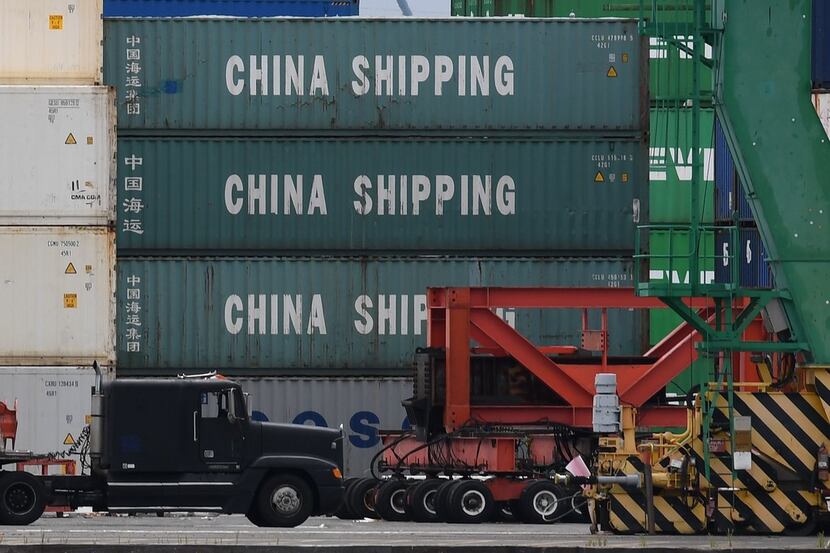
(362, 428)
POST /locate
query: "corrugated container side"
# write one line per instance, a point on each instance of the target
(821, 44)
(671, 71)
(675, 249)
(395, 196)
(362, 405)
(57, 292)
(754, 270)
(50, 41)
(236, 8)
(724, 177)
(53, 403)
(335, 316)
(58, 155)
(468, 75)
(670, 166)
(730, 195)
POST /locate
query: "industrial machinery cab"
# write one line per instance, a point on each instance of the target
(188, 445)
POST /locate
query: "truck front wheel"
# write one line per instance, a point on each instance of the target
(22, 498)
(284, 500)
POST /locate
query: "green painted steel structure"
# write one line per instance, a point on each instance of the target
(209, 195)
(376, 75)
(675, 246)
(784, 173)
(281, 316)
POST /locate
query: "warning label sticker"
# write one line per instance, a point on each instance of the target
(70, 269)
(70, 301)
(599, 177)
(69, 440)
(55, 22)
(70, 139)
(612, 72)
(89, 140)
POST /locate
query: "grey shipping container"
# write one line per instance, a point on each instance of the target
(363, 194)
(362, 405)
(341, 316)
(377, 74)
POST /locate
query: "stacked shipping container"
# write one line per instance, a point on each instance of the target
(287, 196)
(56, 220)
(670, 149)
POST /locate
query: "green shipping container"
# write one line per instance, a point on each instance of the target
(670, 70)
(280, 316)
(663, 321)
(376, 75)
(670, 166)
(361, 195)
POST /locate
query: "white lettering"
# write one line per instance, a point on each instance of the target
(319, 81)
(233, 205)
(419, 71)
(361, 85)
(235, 86)
(504, 76)
(443, 73)
(233, 322)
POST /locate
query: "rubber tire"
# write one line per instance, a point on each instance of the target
(392, 490)
(12, 482)
(470, 490)
(441, 512)
(527, 512)
(416, 496)
(268, 516)
(361, 493)
(344, 512)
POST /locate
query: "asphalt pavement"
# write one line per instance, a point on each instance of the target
(99, 533)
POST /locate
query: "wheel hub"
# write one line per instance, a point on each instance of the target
(472, 503)
(545, 503)
(429, 501)
(20, 498)
(398, 501)
(286, 500)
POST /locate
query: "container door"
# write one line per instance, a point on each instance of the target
(220, 431)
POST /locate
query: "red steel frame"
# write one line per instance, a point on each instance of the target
(459, 316)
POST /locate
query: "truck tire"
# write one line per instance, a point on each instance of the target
(22, 498)
(361, 498)
(390, 500)
(420, 500)
(283, 500)
(344, 512)
(541, 502)
(470, 502)
(442, 513)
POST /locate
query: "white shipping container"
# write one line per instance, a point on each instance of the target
(362, 405)
(822, 103)
(53, 404)
(57, 295)
(51, 41)
(58, 155)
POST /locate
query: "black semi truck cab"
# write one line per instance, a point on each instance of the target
(186, 444)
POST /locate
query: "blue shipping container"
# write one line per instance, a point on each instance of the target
(237, 8)
(750, 254)
(729, 194)
(724, 177)
(821, 44)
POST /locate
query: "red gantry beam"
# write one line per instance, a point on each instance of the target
(457, 316)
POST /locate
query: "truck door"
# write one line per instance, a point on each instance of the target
(220, 435)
